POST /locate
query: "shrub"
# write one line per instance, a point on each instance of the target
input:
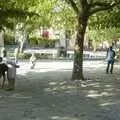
(28, 55)
(9, 39)
(42, 42)
(24, 55)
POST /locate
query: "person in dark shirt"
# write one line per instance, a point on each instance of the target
(110, 59)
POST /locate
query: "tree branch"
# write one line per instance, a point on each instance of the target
(15, 11)
(97, 4)
(101, 6)
(73, 5)
(83, 2)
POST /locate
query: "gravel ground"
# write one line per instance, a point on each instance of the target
(47, 93)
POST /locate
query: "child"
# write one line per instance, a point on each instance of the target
(32, 61)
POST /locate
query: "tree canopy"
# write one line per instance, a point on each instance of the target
(59, 13)
(29, 11)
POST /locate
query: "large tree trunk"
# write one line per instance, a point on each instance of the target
(78, 51)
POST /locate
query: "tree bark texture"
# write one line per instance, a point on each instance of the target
(79, 45)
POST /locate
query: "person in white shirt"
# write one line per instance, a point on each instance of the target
(32, 61)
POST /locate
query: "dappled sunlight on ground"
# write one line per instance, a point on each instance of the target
(108, 104)
(47, 93)
(63, 118)
(56, 87)
(96, 94)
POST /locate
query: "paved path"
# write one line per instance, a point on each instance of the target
(46, 93)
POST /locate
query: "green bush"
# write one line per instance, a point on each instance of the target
(33, 40)
(9, 39)
(24, 55)
(41, 41)
(37, 55)
(28, 55)
(21, 55)
(10, 54)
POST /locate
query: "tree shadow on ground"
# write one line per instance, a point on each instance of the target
(51, 95)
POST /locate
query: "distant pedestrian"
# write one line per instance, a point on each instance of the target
(110, 59)
(32, 61)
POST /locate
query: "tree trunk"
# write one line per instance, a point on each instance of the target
(78, 51)
(21, 45)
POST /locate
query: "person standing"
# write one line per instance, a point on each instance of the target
(110, 59)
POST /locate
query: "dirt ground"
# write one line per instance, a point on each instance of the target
(47, 93)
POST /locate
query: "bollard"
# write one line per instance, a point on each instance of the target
(11, 75)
